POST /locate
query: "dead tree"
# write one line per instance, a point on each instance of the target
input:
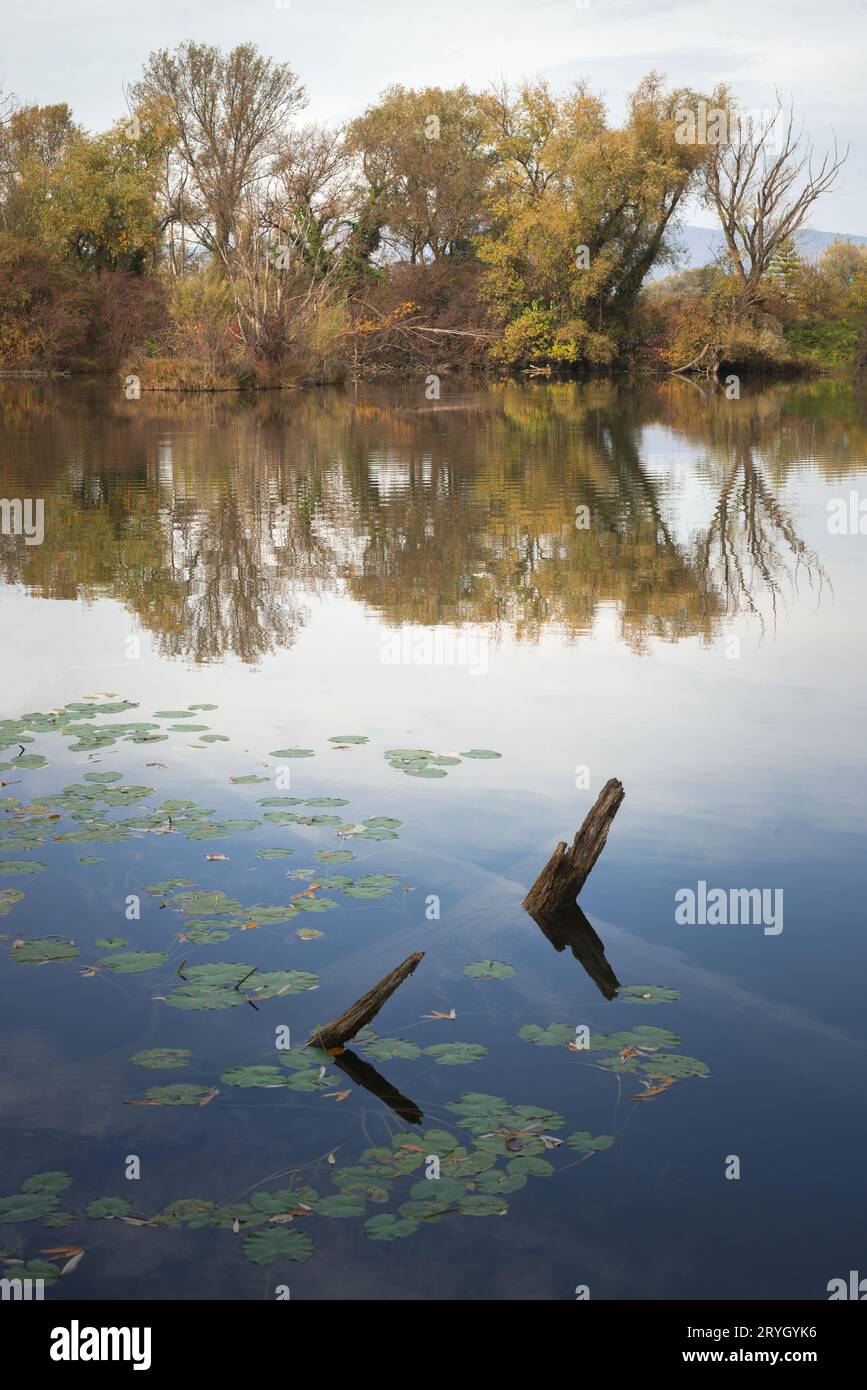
(563, 877)
(338, 1032)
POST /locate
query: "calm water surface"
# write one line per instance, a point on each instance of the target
(420, 574)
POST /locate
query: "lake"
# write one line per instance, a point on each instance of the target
(295, 686)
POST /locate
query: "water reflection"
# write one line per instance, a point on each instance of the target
(216, 521)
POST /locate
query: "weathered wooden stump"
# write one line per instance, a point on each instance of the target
(338, 1032)
(563, 877)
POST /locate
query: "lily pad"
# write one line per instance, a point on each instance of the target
(184, 1093)
(383, 1049)
(254, 1076)
(44, 949)
(292, 753)
(133, 962)
(50, 1183)
(456, 1054)
(110, 943)
(489, 970)
(264, 1247)
(555, 1035)
(348, 738)
(162, 1058)
(107, 1208)
(584, 1142)
(334, 856)
(481, 753)
(273, 853)
(14, 867)
(648, 994)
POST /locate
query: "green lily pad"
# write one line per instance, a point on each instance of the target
(249, 779)
(264, 1247)
(110, 943)
(489, 970)
(386, 1226)
(456, 1054)
(254, 1076)
(584, 1142)
(672, 1064)
(92, 859)
(555, 1035)
(183, 1093)
(648, 994)
(162, 1058)
(348, 738)
(26, 1206)
(292, 753)
(10, 896)
(107, 1208)
(274, 853)
(326, 801)
(49, 1183)
(133, 962)
(10, 867)
(44, 949)
(308, 933)
(383, 1049)
(334, 856)
(481, 753)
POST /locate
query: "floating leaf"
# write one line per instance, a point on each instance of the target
(489, 970)
(455, 1054)
(555, 1035)
(383, 1049)
(481, 753)
(649, 994)
(254, 1076)
(44, 949)
(585, 1143)
(50, 1183)
(162, 1058)
(348, 738)
(10, 867)
(133, 962)
(183, 1093)
(672, 1064)
(107, 1207)
(292, 753)
(110, 943)
(276, 1243)
(273, 853)
(334, 856)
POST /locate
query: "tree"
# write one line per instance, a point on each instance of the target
(34, 141)
(228, 109)
(762, 182)
(425, 167)
(580, 214)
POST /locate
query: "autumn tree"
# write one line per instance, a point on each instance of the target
(424, 166)
(763, 178)
(580, 213)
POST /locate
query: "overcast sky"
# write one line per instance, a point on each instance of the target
(345, 53)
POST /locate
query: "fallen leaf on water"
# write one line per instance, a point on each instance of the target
(141, 1102)
(251, 926)
(332, 1160)
(214, 858)
(657, 1090)
(73, 1263)
(449, 1017)
(321, 1073)
(411, 1148)
(338, 1095)
(135, 1221)
(65, 1250)
(206, 1100)
(236, 1225)
(164, 766)
(550, 1141)
(89, 972)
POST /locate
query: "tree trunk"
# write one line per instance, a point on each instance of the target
(338, 1032)
(563, 877)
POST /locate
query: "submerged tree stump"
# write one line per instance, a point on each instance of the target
(338, 1032)
(563, 877)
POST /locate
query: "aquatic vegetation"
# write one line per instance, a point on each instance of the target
(489, 970)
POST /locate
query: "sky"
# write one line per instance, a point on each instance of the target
(346, 53)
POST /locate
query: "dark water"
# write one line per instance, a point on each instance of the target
(418, 573)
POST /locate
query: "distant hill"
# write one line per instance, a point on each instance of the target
(702, 246)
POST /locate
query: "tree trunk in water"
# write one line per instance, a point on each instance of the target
(338, 1032)
(563, 877)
